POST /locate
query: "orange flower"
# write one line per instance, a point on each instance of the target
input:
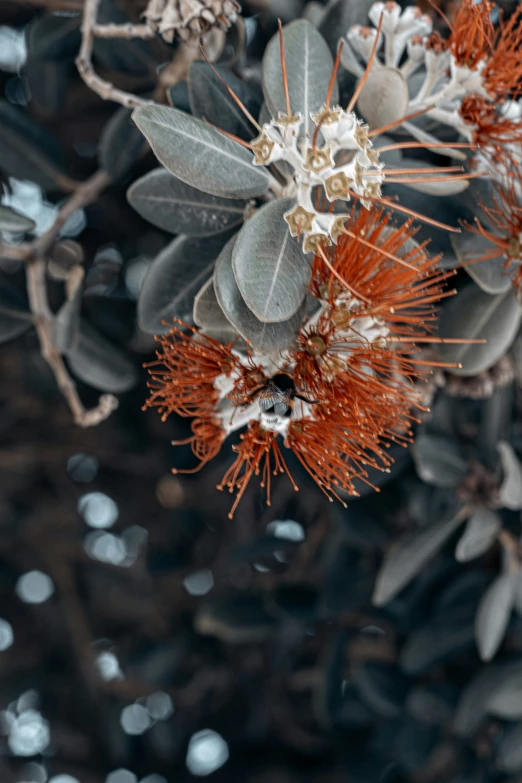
(505, 219)
(183, 375)
(472, 33)
(492, 132)
(503, 72)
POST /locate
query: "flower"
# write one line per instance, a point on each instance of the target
(476, 59)
(496, 131)
(504, 218)
(472, 33)
(342, 393)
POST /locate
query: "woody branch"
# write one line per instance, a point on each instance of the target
(34, 254)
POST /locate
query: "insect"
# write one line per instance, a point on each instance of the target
(278, 395)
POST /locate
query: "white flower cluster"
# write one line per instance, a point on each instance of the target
(344, 163)
(433, 78)
(363, 329)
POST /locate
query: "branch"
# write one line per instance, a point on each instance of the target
(33, 253)
(84, 61)
(123, 31)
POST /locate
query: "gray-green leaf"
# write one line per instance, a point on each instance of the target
(511, 488)
(493, 615)
(309, 67)
(173, 280)
(490, 274)
(479, 534)
(174, 206)
(473, 314)
(384, 97)
(409, 555)
(439, 460)
(101, 364)
(210, 99)
(264, 337)
(207, 311)
(121, 144)
(270, 268)
(199, 155)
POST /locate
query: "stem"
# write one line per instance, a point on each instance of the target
(84, 61)
(33, 253)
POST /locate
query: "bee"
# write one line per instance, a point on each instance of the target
(277, 396)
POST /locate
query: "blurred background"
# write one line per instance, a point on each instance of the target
(144, 636)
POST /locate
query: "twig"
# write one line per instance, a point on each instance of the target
(52, 5)
(128, 30)
(84, 62)
(33, 253)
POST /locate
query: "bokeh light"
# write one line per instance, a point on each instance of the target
(6, 635)
(35, 587)
(98, 510)
(199, 583)
(207, 751)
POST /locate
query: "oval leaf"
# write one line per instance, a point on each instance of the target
(493, 615)
(14, 222)
(48, 84)
(27, 151)
(439, 460)
(472, 314)
(479, 534)
(489, 683)
(511, 487)
(509, 752)
(174, 206)
(207, 313)
(270, 268)
(506, 701)
(121, 144)
(210, 99)
(53, 37)
(489, 275)
(173, 280)
(15, 318)
(409, 555)
(200, 155)
(384, 97)
(264, 337)
(101, 364)
(309, 66)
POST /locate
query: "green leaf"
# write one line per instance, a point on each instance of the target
(48, 84)
(510, 491)
(199, 155)
(210, 99)
(309, 66)
(439, 460)
(493, 615)
(479, 534)
(266, 337)
(27, 151)
(489, 275)
(473, 314)
(121, 144)
(270, 268)
(14, 222)
(174, 206)
(132, 56)
(207, 311)
(173, 280)
(100, 364)
(409, 556)
(54, 38)
(15, 318)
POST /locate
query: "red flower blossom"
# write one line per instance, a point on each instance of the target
(504, 218)
(502, 74)
(472, 33)
(492, 132)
